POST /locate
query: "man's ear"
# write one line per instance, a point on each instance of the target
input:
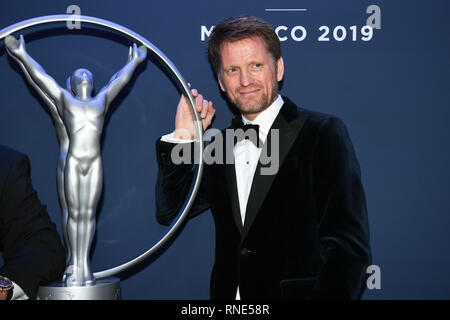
(222, 87)
(280, 69)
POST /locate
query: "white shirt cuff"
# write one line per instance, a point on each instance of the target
(171, 138)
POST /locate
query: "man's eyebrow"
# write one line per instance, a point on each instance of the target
(230, 66)
(236, 66)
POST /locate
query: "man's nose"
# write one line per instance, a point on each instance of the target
(246, 78)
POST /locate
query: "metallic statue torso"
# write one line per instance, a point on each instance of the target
(84, 124)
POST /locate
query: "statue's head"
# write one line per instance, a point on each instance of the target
(81, 82)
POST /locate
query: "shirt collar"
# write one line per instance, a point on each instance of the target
(266, 118)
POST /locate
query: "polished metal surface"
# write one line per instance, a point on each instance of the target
(91, 163)
(63, 140)
(83, 117)
(104, 289)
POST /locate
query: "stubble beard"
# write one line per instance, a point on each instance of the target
(255, 108)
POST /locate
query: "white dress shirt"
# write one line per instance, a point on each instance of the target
(246, 154)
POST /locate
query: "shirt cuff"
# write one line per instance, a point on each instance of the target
(171, 139)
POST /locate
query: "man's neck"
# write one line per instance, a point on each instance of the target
(252, 116)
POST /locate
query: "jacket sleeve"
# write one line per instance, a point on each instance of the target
(343, 220)
(31, 246)
(174, 183)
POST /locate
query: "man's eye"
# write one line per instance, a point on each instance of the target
(231, 70)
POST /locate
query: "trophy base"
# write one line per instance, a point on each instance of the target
(104, 289)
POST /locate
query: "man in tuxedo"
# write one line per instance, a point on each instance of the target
(31, 247)
(299, 233)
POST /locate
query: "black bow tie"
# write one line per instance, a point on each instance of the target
(251, 131)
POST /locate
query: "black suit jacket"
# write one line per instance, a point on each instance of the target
(306, 232)
(31, 246)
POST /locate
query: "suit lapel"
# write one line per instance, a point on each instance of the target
(289, 125)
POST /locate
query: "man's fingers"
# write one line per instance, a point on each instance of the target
(199, 103)
(211, 111)
(202, 106)
(204, 112)
(209, 116)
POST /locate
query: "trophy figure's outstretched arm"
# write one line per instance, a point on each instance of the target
(64, 144)
(123, 76)
(49, 102)
(48, 85)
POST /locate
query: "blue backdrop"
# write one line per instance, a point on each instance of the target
(391, 91)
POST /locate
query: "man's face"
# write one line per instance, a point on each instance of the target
(249, 75)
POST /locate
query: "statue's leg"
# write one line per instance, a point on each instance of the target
(71, 187)
(92, 189)
(63, 202)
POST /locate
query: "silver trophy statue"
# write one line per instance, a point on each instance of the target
(79, 119)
